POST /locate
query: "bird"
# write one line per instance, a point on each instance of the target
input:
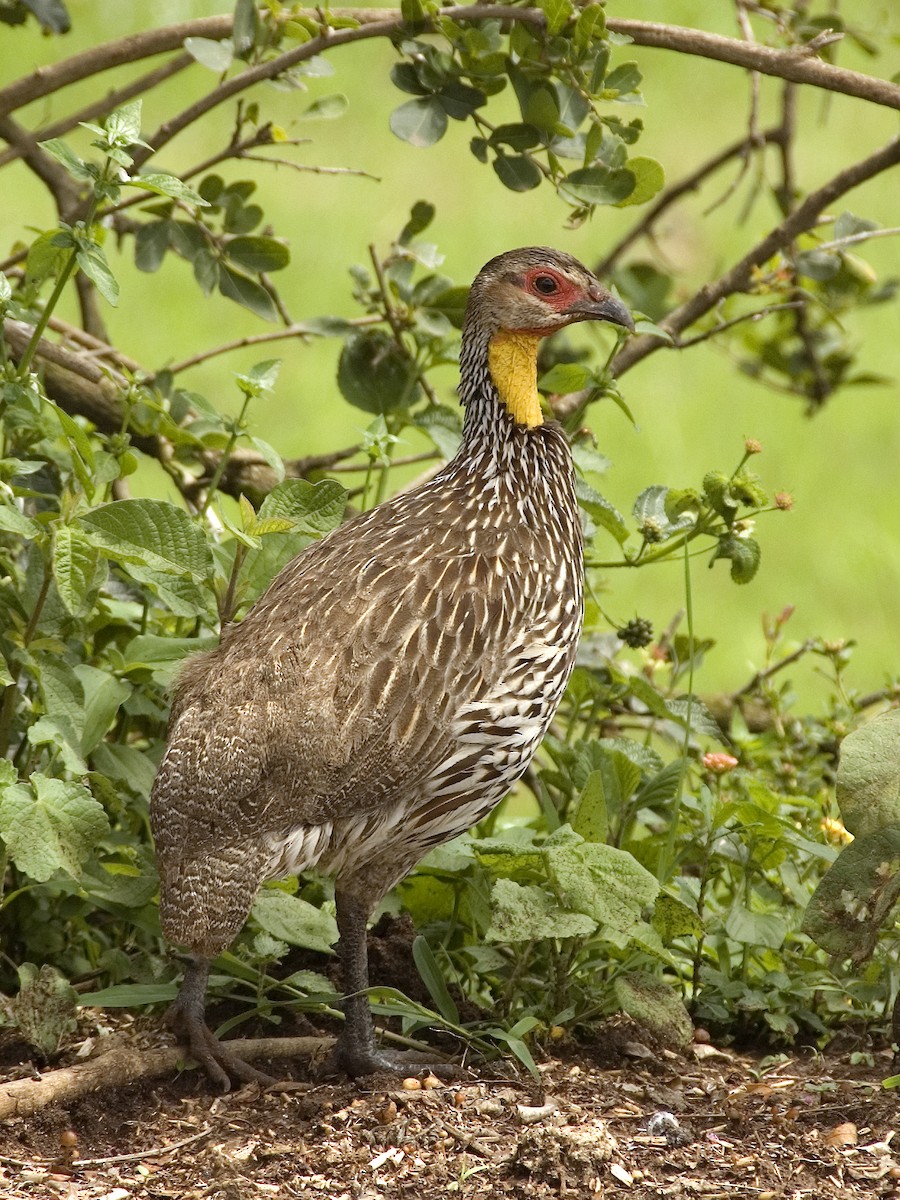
(396, 678)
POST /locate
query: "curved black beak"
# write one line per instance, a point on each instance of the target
(601, 306)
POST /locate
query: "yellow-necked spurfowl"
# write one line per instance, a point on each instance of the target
(395, 679)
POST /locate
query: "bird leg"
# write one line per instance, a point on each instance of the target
(187, 1019)
(355, 1052)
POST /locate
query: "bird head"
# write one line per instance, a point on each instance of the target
(522, 296)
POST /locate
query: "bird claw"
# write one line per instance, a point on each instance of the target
(222, 1065)
(356, 1060)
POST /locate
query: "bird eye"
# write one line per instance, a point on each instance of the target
(546, 284)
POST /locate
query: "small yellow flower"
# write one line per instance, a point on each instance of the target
(834, 830)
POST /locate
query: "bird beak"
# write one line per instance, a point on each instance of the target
(599, 305)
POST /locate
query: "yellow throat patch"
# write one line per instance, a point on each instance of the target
(512, 358)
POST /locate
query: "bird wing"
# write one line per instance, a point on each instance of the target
(337, 693)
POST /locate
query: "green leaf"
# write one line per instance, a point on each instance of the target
(623, 80)
(167, 185)
(326, 108)
(563, 378)
(155, 533)
(598, 185)
(672, 918)
(420, 122)
(603, 882)
(868, 778)
(58, 149)
(517, 136)
(77, 568)
(216, 56)
(744, 553)
(516, 172)
(313, 508)
(44, 1009)
(420, 217)
(649, 179)
(591, 819)
(294, 921)
(50, 826)
(247, 292)
(51, 14)
(13, 521)
(92, 261)
(557, 13)
(754, 928)
(129, 995)
(522, 913)
(601, 512)
(374, 374)
(258, 253)
(103, 697)
(656, 1005)
(856, 895)
(246, 27)
(151, 242)
(427, 966)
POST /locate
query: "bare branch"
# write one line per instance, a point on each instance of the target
(740, 277)
(672, 194)
(795, 65)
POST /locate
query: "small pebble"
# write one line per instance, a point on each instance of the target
(411, 1085)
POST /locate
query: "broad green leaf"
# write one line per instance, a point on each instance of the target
(557, 14)
(294, 920)
(13, 521)
(649, 178)
(50, 826)
(563, 378)
(598, 185)
(46, 257)
(78, 568)
(517, 136)
(672, 918)
(58, 149)
(52, 15)
(150, 245)
(420, 217)
(744, 554)
(754, 928)
(246, 27)
(607, 884)
(516, 172)
(655, 1004)
(601, 512)
(246, 292)
(258, 253)
(216, 56)
(44, 1009)
(522, 913)
(374, 374)
(167, 185)
(92, 262)
(868, 778)
(63, 737)
(623, 80)
(103, 697)
(420, 122)
(591, 819)
(313, 508)
(856, 895)
(155, 533)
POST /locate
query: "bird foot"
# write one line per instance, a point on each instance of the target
(222, 1065)
(354, 1060)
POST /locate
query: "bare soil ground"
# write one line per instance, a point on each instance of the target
(617, 1119)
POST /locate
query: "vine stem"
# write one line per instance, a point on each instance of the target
(667, 858)
(34, 341)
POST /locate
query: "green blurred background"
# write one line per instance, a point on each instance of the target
(836, 557)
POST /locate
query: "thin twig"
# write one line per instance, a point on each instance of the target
(767, 672)
(758, 315)
(396, 325)
(672, 194)
(309, 170)
(155, 1152)
(739, 277)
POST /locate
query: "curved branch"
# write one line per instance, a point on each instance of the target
(740, 277)
(796, 65)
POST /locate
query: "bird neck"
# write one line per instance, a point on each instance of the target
(498, 385)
